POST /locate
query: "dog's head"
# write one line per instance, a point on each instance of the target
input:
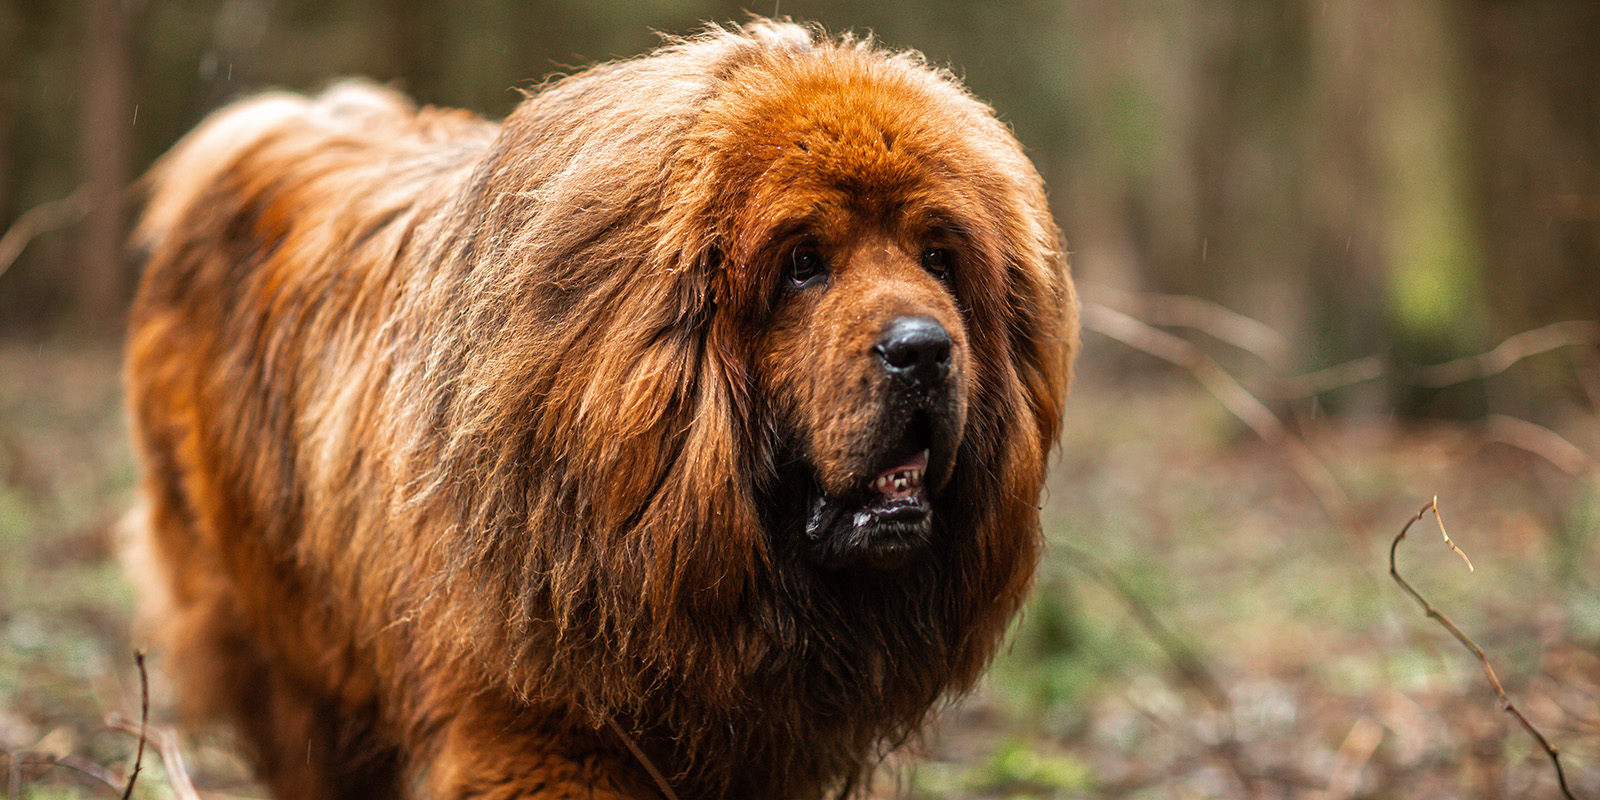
(874, 233)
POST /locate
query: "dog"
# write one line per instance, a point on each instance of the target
(681, 435)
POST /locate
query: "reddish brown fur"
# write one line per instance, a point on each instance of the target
(464, 442)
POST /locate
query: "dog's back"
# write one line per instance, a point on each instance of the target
(268, 234)
(280, 158)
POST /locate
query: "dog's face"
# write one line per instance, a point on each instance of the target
(867, 356)
(852, 235)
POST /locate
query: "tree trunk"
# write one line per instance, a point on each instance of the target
(106, 119)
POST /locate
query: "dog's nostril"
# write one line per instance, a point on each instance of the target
(917, 348)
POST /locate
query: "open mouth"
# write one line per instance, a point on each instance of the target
(883, 529)
(905, 480)
(884, 518)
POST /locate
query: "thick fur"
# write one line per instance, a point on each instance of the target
(476, 453)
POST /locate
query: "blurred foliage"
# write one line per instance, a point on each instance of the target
(1420, 179)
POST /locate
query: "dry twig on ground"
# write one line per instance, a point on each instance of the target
(144, 722)
(166, 743)
(1466, 641)
(16, 758)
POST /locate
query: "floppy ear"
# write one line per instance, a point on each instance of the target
(1043, 327)
(674, 414)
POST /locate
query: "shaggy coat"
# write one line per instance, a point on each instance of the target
(691, 421)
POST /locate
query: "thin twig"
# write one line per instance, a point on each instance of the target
(1540, 441)
(166, 744)
(144, 722)
(1446, 535)
(1466, 641)
(1518, 347)
(649, 766)
(84, 767)
(1233, 396)
(1352, 757)
(1182, 657)
(1338, 376)
(13, 778)
(39, 220)
(1213, 319)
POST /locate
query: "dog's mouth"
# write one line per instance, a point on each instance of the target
(903, 481)
(884, 523)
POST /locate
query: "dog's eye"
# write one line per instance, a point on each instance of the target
(936, 260)
(805, 267)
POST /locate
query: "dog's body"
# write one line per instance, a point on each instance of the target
(701, 408)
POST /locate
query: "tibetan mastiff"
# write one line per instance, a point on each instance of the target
(680, 435)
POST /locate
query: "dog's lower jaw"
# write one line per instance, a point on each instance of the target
(882, 534)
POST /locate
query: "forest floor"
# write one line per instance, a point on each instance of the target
(1204, 625)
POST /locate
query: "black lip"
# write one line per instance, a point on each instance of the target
(858, 526)
(882, 534)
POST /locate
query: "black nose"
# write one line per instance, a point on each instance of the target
(916, 349)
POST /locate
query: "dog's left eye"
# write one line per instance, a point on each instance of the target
(936, 260)
(806, 267)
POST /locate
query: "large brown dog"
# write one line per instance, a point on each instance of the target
(691, 421)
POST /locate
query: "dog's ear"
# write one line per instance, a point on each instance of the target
(696, 302)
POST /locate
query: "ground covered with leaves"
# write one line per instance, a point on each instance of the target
(1205, 624)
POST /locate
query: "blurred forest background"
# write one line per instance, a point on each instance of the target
(1369, 228)
(1419, 177)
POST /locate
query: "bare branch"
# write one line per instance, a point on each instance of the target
(1466, 641)
(1518, 347)
(1540, 441)
(1447, 540)
(39, 220)
(166, 743)
(1215, 320)
(1182, 657)
(1484, 365)
(649, 766)
(1354, 753)
(144, 722)
(1233, 396)
(1337, 376)
(16, 758)
(84, 767)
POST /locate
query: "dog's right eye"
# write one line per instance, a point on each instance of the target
(806, 267)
